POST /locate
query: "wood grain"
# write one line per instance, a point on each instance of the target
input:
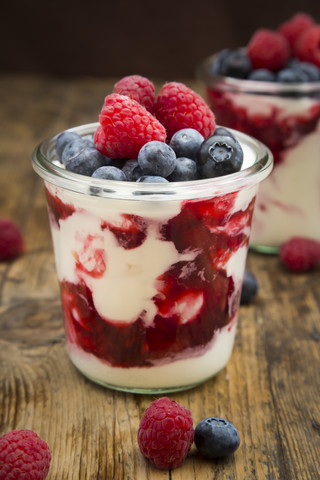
(269, 390)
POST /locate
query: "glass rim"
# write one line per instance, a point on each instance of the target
(251, 86)
(52, 173)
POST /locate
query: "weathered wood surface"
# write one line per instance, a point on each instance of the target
(269, 390)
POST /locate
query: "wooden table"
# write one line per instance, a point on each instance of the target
(269, 390)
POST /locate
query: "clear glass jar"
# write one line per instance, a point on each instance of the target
(286, 118)
(150, 274)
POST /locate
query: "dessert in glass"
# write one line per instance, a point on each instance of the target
(276, 100)
(150, 272)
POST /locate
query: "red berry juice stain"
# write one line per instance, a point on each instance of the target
(57, 209)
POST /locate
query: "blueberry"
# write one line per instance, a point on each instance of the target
(152, 179)
(186, 142)
(290, 75)
(157, 158)
(219, 155)
(216, 437)
(109, 172)
(249, 288)
(73, 148)
(236, 64)
(132, 170)
(262, 75)
(63, 139)
(214, 68)
(311, 71)
(223, 131)
(185, 170)
(86, 161)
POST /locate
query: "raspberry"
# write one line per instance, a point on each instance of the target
(166, 433)
(307, 47)
(268, 49)
(179, 107)
(138, 88)
(11, 240)
(300, 254)
(295, 26)
(125, 126)
(23, 455)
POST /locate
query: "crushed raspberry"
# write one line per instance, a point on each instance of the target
(179, 107)
(268, 49)
(166, 433)
(295, 26)
(11, 240)
(125, 126)
(307, 47)
(300, 254)
(23, 455)
(138, 88)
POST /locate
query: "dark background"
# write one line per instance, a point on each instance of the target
(164, 39)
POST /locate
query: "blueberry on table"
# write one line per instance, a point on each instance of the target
(186, 142)
(157, 158)
(185, 170)
(219, 155)
(109, 172)
(249, 288)
(216, 437)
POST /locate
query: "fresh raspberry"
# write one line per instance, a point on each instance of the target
(138, 88)
(11, 240)
(125, 126)
(179, 107)
(23, 456)
(307, 47)
(300, 254)
(295, 26)
(268, 49)
(166, 433)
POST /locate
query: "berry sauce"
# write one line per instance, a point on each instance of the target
(278, 133)
(194, 298)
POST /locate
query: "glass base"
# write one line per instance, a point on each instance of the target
(264, 249)
(146, 391)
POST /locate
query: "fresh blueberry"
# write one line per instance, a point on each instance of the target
(262, 75)
(157, 158)
(63, 139)
(249, 288)
(109, 172)
(216, 437)
(223, 131)
(152, 179)
(290, 75)
(214, 68)
(185, 170)
(186, 142)
(73, 148)
(219, 155)
(86, 161)
(236, 64)
(311, 71)
(132, 170)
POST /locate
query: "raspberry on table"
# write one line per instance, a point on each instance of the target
(138, 88)
(268, 49)
(307, 47)
(23, 455)
(125, 126)
(166, 433)
(295, 26)
(300, 254)
(11, 240)
(178, 107)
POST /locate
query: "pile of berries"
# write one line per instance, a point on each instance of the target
(289, 54)
(142, 137)
(166, 434)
